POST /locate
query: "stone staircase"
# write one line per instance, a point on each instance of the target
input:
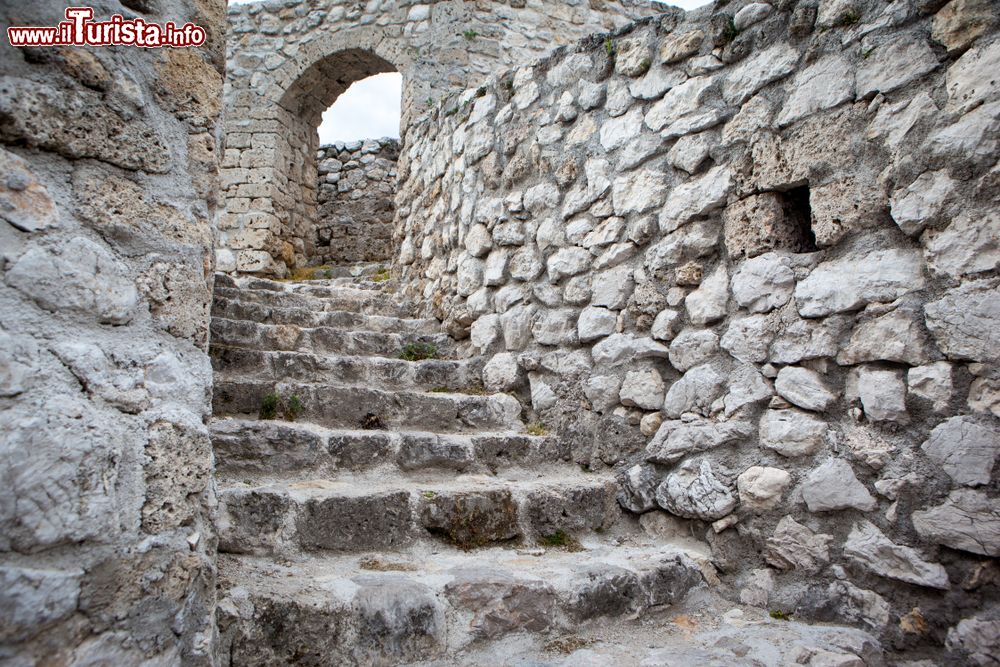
(403, 515)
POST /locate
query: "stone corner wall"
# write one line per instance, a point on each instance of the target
(107, 193)
(355, 192)
(748, 258)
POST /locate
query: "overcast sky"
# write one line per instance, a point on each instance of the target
(370, 107)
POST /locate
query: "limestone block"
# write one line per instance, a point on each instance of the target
(760, 487)
(867, 546)
(834, 486)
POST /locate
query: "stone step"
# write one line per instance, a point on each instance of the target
(386, 510)
(237, 309)
(369, 408)
(434, 603)
(255, 447)
(325, 340)
(317, 298)
(458, 376)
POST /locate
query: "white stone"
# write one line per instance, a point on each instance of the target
(748, 339)
(804, 387)
(932, 383)
(602, 392)
(654, 83)
(478, 241)
(750, 14)
(596, 323)
(754, 73)
(834, 486)
(894, 65)
(857, 279)
(792, 433)
(868, 546)
(971, 80)
(83, 277)
(542, 396)
(679, 102)
(965, 449)
(495, 269)
(708, 303)
(591, 95)
(501, 373)
(485, 331)
(567, 262)
(616, 131)
(470, 275)
(761, 487)
(665, 324)
(747, 386)
(809, 339)
(896, 336)
(676, 439)
(922, 203)
(696, 197)
(556, 327)
(965, 322)
(972, 138)
(526, 263)
(541, 197)
(764, 283)
(969, 245)
(690, 152)
(692, 347)
(966, 520)
(883, 394)
(638, 492)
(694, 492)
(696, 391)
(796, 547)
(642, 389)
(977, 636)
(516, 325)
(638, 191)
(822, 85)
(619, 349)
(612, 288)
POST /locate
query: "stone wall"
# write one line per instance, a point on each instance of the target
(109, 177)
(748, 256)
(289, 61)
(355, 192)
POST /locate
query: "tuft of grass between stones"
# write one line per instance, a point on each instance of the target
(537, 428)
(780, 615)
(274, 404)
(560, 540)
(418, 352)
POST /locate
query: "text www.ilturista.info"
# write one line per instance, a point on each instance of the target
(80, 30)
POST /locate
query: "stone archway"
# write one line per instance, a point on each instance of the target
(270, 175)
(286, 63)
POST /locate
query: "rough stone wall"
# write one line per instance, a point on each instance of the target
(289, 61)
(356, 189)
(748, 256)
(109, 178)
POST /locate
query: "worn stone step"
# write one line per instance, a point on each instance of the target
(257, 447)
(423, 604)
(237, 309)
(458, 376)
(370, 408)
(381, 510)
(318, 298)
(325, 340)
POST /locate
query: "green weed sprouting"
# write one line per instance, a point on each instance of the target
(418, 352)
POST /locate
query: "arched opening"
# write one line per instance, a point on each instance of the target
(271, 183)
(359, 147)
